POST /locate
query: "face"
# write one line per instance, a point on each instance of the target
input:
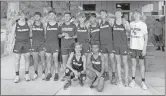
(78, 48)
(22, 16)
(92, 19)
(81, 19)
(136, 15)
(67, 17)
(37, 17)
(95, 48)
(118, 14)
(52, 16)
(103, 14)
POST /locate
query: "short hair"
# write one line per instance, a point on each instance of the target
(95, 43)
(38, 13)
(137, 11)
(157, 20)
(93, 15)
(52, 12)
(67, 13)
(59, 14)
(119, 9)
(82, 15)
(78, 44)
(103, 10)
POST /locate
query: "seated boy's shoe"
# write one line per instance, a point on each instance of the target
(91, 86)
(144, 86)
(67, 84)
(35, 77)
(81, 83)
(163, 48)
(27, 78)
(16, 79)
(49, 75)
(56, 77)
(132, 83)
(75, 79)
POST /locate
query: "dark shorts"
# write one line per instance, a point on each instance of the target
(69, 72)
(37, 48)
(158, 38)
(85, 47)
(106, 48)
(136, 53)
(121, 50)
(22, 47)
(67, 46)
(52, 48)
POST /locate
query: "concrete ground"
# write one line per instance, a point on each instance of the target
(155, 80)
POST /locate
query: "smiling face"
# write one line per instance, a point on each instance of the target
(118, 14)
(22, 16)
(95, 48)
(67, 17)
(81, 18)
(51, 16)
(136, 15)
(37, 17)
(78, 48)
(103, 14)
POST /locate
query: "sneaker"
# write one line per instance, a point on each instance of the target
(27, 78)
(132, 84)
(43, 76)
(81, 82)
(56, 77)
(106, 76)
(63, 78)
(49, 75)
(163, 48)
(67, 84)
(126, 84)
(144, 86)
(158, 48)
(16, 79)
(119, 83)
(113, 81)
(35, 76)
(91, 86)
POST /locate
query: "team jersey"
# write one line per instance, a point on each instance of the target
(52, 32)
(95, 32)
(77, 65)
(22, 32)
(105, 32)
(119, 35)
(82, 34)
(96, 63)
(38, 33)
(138, 30)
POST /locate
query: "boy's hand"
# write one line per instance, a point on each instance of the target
(143, 52)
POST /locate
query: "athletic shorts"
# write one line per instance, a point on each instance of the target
(106, 48)
(85, 47)
(69, 72)
(52, 48)
(67, 46)
(22, 47)
(38, 48)
(121, 50)
(136, 53)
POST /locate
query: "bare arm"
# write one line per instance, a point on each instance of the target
(146, 41)
(84, 63)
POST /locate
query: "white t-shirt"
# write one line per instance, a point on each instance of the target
(138, 30)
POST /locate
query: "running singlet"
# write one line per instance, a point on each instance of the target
(105, 32)
(22, 32)
(82, 34)
(77, 65)
(52, 32)
(96, 63)
(37, 33)
(95, 32)
(119, 35)
(70, 29)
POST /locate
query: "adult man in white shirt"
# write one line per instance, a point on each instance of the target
(138, 45)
